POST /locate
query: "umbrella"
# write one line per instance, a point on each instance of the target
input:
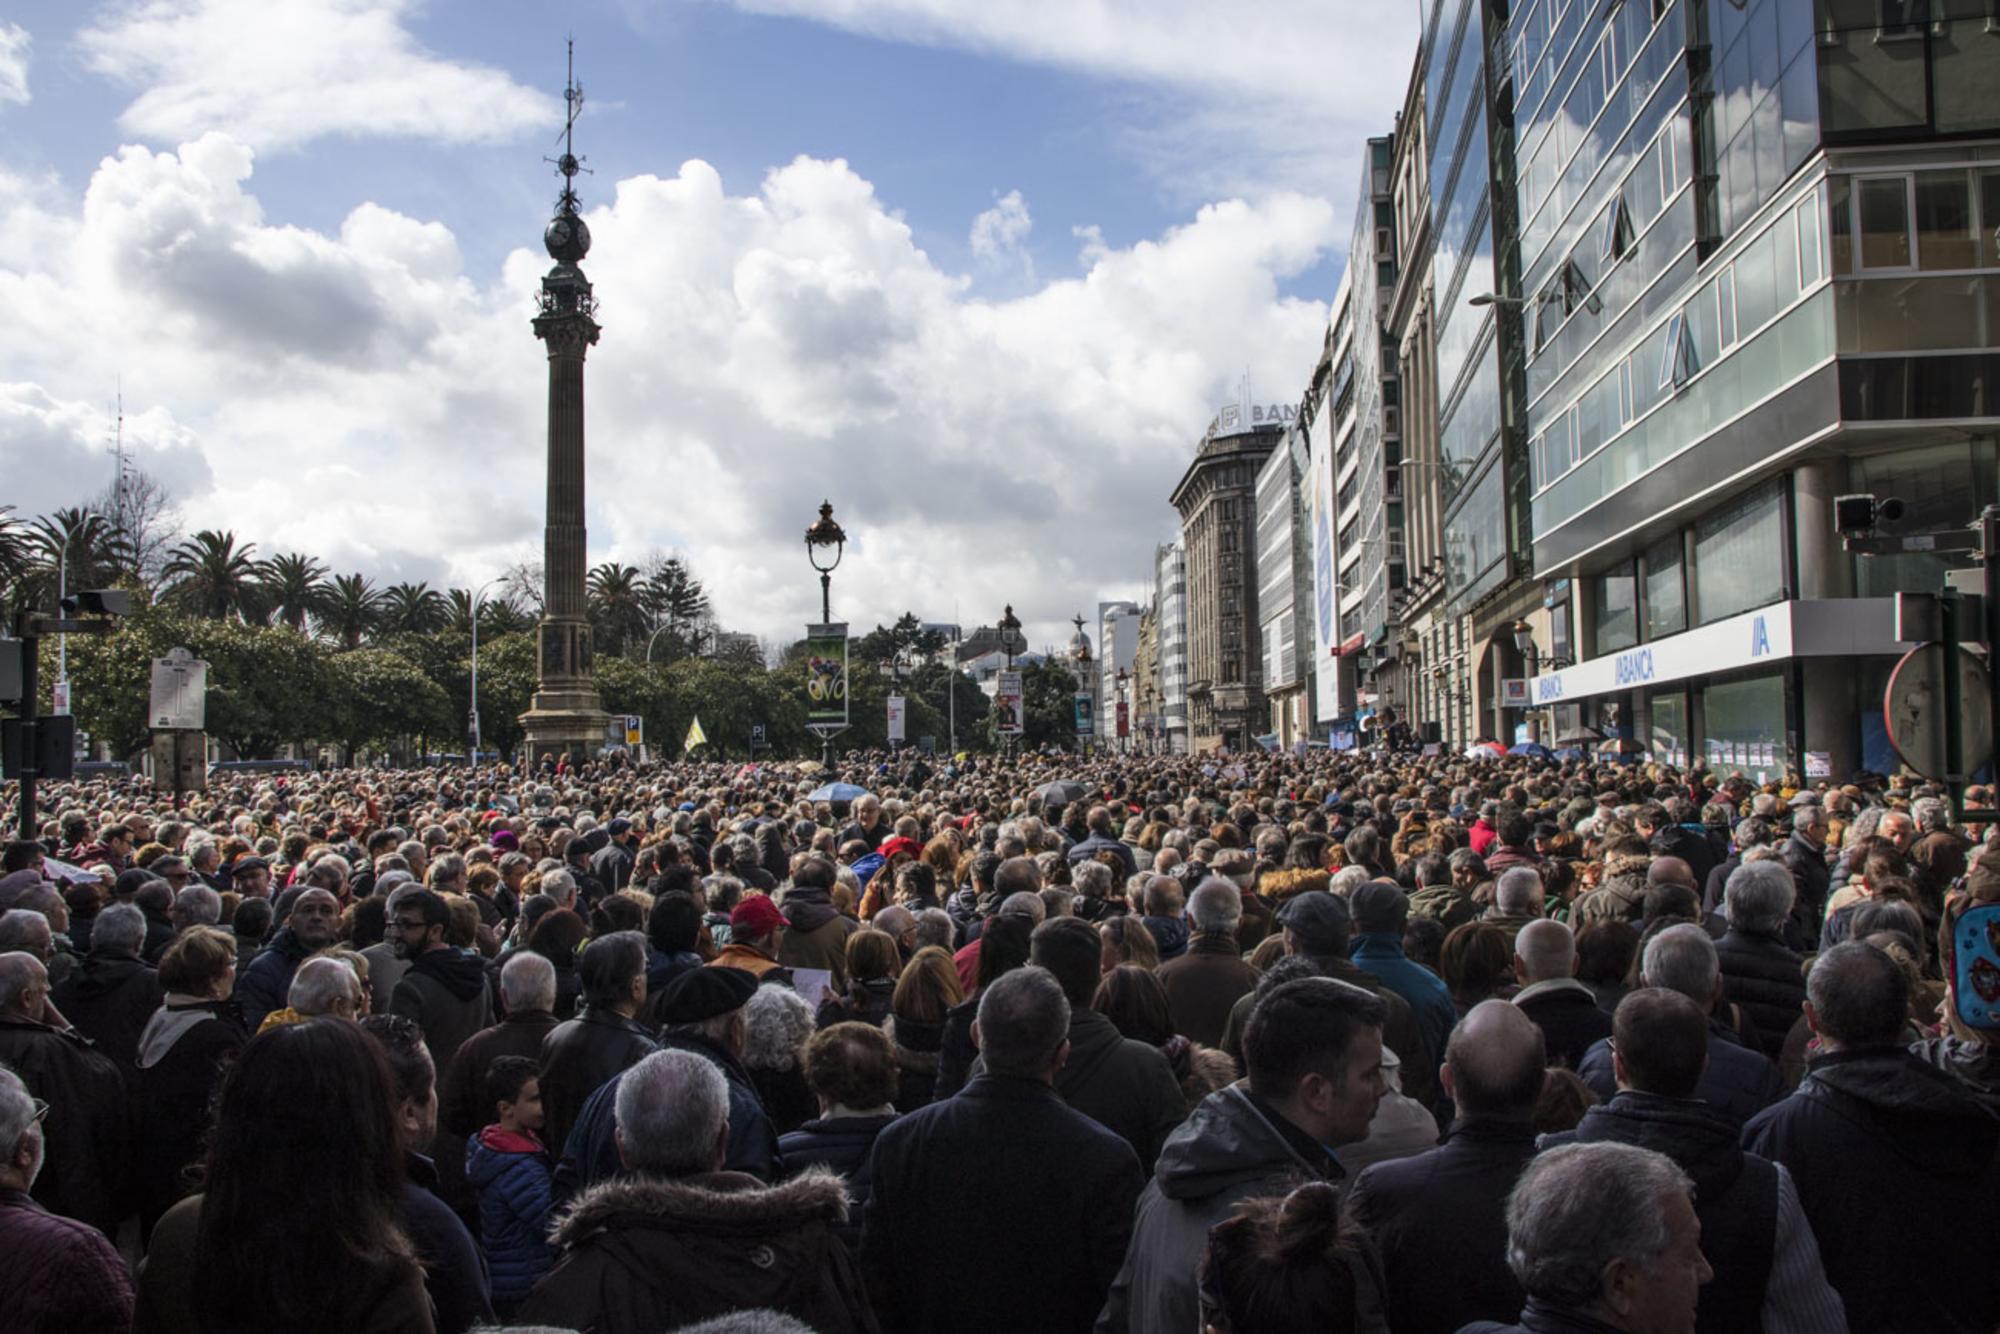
(1061, 792)
(1621, 745)
(1534, 748)
(837, 792)
(1584, 735)
(808, 766)
(1485, 750)
(1571, 753)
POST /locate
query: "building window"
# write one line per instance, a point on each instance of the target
(1617, 614)
(1668, 727)
(1945, 235)
(1678, 359)
(1615, 240)
(1739, 558)
(1883, 205)
(1898, 19)
(1744, 727)
(1666, 592)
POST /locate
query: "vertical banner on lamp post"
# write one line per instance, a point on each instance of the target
(826, 675)
(895, 717)
(1124, 719)
(1010, 718)
(1086, 714)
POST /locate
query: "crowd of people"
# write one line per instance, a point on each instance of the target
(1270, 1043)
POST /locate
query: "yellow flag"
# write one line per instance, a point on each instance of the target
(695, 736)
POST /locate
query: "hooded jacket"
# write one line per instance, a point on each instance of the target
(445, 992)
(816, 934)
(1127, 1087)
(1735, 1194)
(1975, 1064)
(87, 1143)
(1894, 1163)
(645, 1253)
(511, 1174)
(1224, 1153)
(182, 1054)
(110, 999)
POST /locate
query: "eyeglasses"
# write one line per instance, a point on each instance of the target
(41, 1111)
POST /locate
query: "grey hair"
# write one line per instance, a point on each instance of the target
(1348, 878)
(558, 883)
(1580, 1207)
(17, 1110)
(1023, 1019)
(527, 982)
(199, 904)
(18, 972)
(1091, 879)
(119, 927)
(935, 927)
(1026, 903)
(739, 1322)
(1216, 908)
(1931, 814)
(1864, 823)
(670, 1112)
(1518, 891)
(319, 983)
(1548, 948)
(1682, 958)
(19, 926)
(1758, 896)
(777, 1024)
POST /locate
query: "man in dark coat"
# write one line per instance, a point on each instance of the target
(60, 1274)
(266, 982)
(444, 988)
(86, 1133)
(703, 1013)
(112, 996)
(1314, 1050)
(1804, 855)
(1381, 910)
(1753, 1231)
(1761, 972)
(1128, 1087)
(1103, 839)
(1562, 1007)
(528, 990)
(580, 1054)
(1207, 981)
(675, 1237)
(1670, 831)
(1893, 1159)
(155, 899)
(1439, 1219)
(612, 864)
(815, 934)
(1736, 1081)
(1000, 1208)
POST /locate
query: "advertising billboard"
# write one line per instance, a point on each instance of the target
(1326, 591)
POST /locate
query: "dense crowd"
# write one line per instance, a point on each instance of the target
(1234, 1043)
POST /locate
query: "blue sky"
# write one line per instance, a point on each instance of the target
(358, 144)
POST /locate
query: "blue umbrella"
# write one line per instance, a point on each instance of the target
(1534, 748)
(1570, 753)
(837, 792)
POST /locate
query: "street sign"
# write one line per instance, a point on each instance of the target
(757, 735)
(635, 730)
(1913, 710)
(1514, 692)
(180, 692)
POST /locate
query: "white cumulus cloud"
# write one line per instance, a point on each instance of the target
(14, 43)
(278, 73)
(1000, 230)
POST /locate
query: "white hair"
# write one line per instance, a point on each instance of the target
(1216, 908)
(119, 927)
(321, 983)
(17, 1110)
(1518, 892)
(777, 1024)
(199, 905)
(1579, 1207)
(1547, 948)
(527, 982)
(670, 1112)
(1682, 958)
(1758, 895)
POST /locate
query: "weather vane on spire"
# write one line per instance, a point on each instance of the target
(566, 238)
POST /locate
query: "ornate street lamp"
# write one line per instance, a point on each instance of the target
(1010, 626)
(822, 535)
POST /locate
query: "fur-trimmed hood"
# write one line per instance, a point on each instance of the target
(713, 1203)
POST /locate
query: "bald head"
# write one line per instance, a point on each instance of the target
(1494, 1063)
(1671, 871)
(1545, 949)
(895, 919)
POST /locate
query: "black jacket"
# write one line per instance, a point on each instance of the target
(1894, 1163)
(1000, 1209)
(1735, 1194)
(1539, 1319)
(110, 999)
(840, 1144)
(1568, 1017)
(578, 1056)
(159, 934)
(86, 1135)
(1439, 1220)
(1761, 973)
(444, 991)
(1125, 1086)
(182, 1055)
(916, 1047)
(454, 1269)
(1738, 1084)
(1812, 877)
(263, 984)
(1691, 846)
(955, 1050)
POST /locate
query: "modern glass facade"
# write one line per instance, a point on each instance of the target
(1170, 574)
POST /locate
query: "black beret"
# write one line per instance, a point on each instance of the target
(704, 993)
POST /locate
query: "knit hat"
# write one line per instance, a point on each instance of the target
(703, 993)
(756, 916)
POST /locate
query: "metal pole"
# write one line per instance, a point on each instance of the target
(1989, 564)
(31, 646)
(1954, 740)
(826, 597)
(472, 760)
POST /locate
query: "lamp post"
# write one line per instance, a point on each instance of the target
(478, 600)
(1124, 739)
(822, 535)
(1010, 625)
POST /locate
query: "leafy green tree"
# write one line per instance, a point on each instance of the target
(64, 551)
(210, 575)
(376, 696)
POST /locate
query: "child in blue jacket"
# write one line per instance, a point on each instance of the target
(508, 1166)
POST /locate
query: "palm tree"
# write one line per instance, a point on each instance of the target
(212, 576)
(499, 616)
(16, 554)
(290, 586)
(414, 609)
(617, 606)
(350, 609)
(69, 549)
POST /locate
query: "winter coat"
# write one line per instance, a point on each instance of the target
(1096, 843)
(87, 1135)
(1125, 1086)
(462, 1086)
(266, 984)
(1380, 955)
(385, 970)
(786, 1098)
(736, 954)
(1439, 1220)
(1690, 845)
(1566, 1012)
(1288, 881)
(61, 1276)
(445, 993)
(612, 864)
(1621, 898)
(1537, 1318)
(159, 935)
(1765, 977)
(1170, 934)
(1448, 905)
(578, 1056)
(1203, 984)
(955, 1050)
(1974, 1064)
(1738, 1083)
(1226, 1152)
(842, 1145)
(642, 1254)
(110, 999)
(865, 1004)
(182, 1055)
(1736, 1196)
(999, 1209)
(816, 934)
(1894, 1163)
(590, 1154)
(454, 1270)
(1811, 876)
(916, 1046)
(1400, 1033)
(511, 1174)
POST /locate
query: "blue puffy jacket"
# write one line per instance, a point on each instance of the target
(514, 1206)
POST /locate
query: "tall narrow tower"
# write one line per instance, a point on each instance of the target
(565, 715)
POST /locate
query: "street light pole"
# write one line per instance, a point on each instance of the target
(478, 599)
